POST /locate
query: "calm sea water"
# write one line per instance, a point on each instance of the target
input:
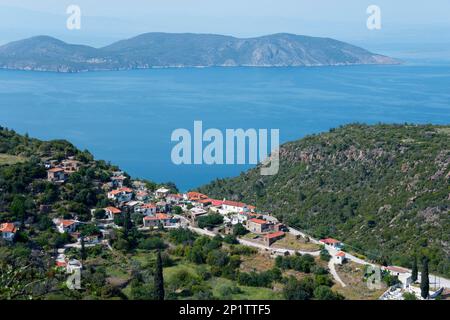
(128, 117)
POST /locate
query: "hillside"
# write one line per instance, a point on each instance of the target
(43, 53)
(384, 190)
(50, 225)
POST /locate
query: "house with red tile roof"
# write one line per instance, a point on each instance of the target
(111, 212)
(174, 198)
(158, 219)
(66, 226)
(8, 231)
(195, 196)
(56, 175)
(229, 206)
(142, 195)
(121, 195)
(339, 257)
(148, 209)
(259, 225)
(270, 238)
(331, 242)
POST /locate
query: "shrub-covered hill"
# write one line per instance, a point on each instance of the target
(384, 190)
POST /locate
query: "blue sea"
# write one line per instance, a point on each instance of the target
(127, 117)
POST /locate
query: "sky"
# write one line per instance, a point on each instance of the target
(412, 27)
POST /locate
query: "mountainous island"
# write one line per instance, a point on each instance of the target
(382, 190)
(153, 50)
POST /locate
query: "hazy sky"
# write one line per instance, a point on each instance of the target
(408, 24)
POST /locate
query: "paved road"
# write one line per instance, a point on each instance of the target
(334, 273)
(443, 282)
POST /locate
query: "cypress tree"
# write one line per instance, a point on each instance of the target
(126, 223)
(425, 281)
(159, 278)
(414, 271)
(83, 250)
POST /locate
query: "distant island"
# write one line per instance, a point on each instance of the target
(164, 50)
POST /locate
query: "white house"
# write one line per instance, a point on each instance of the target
(142, 195)
(403, 275)
(148, 209)
(64, 226)
(121, 194)
(159, 219)
(238, 218)
(111, 212)
(197, 212)
(235, 207)
(73, 265)
(339, 258)
(134, 206)
(336, 244)
(118, 181)
(8, 231)
(174, 198)
(162, 192)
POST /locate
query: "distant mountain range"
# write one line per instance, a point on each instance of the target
(151, 50)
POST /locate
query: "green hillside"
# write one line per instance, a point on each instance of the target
(384, 190)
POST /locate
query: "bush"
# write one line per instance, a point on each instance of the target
(151, 243)
(325, 293)
(239, 230)
(230, 239)
(210, 221)
(325, 255)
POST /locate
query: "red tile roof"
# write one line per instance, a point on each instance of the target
(196, 196)
(396, 269)
(67, 223)
(118, 191)
(113, 210)
(330, 241)
(158, 216)
(238, 204)
(340, 254)
(274, 235)
(7, 227)
(216, 203)
(55, 170)
(61, 264)
(234, 203)
(258, 221)
(205, 201)
(148, 206)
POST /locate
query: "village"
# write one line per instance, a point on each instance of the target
(161, 208)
